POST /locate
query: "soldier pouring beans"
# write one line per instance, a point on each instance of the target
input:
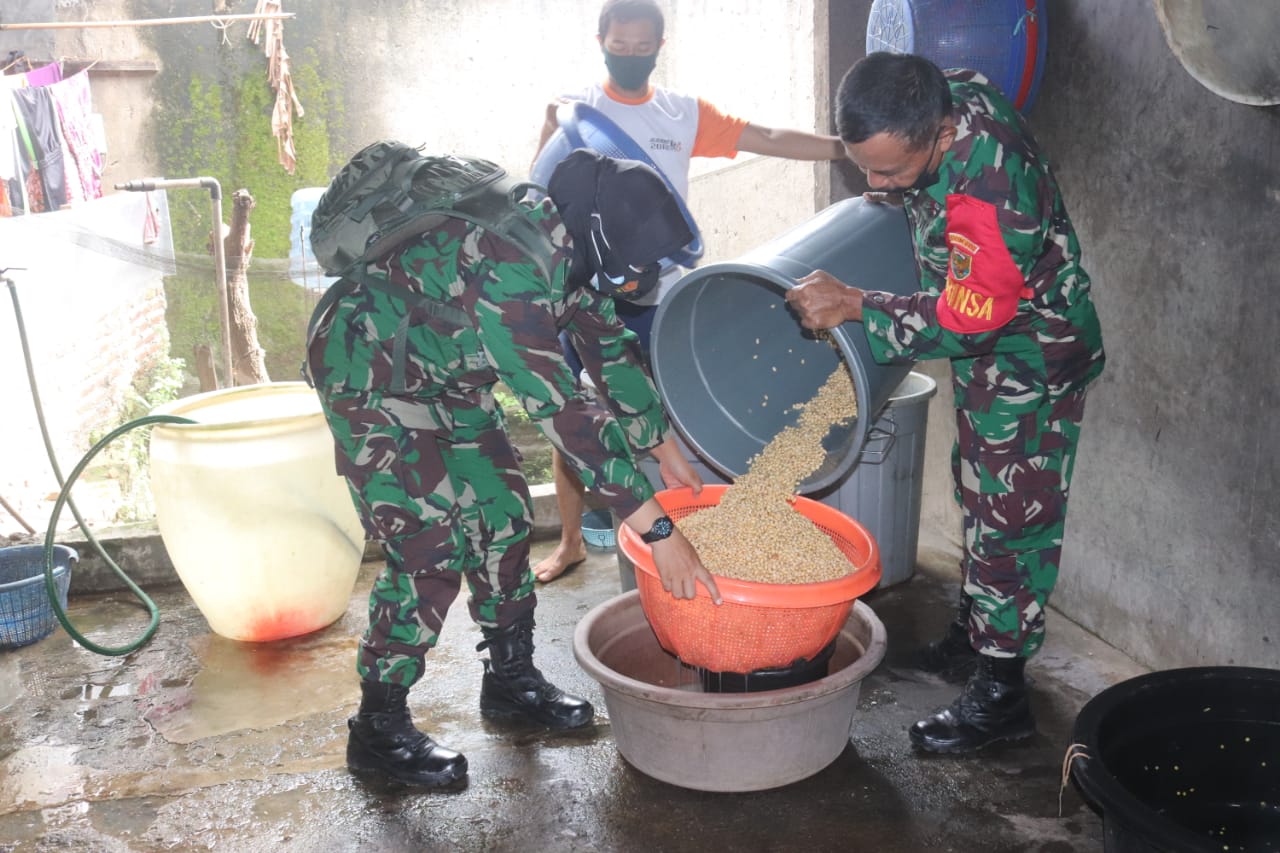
(1004, 297)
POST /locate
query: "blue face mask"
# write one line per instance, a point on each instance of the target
(630, 72)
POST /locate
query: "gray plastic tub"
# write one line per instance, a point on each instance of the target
(883, 492)
(731, 360)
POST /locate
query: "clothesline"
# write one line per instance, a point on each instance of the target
(148, 22)
(23, 58)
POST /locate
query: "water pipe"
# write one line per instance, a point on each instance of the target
(219, 251)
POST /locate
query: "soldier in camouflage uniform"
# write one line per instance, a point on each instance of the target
(1003, 296)
(408, 394)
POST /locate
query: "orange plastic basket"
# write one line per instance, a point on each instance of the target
(759, 625)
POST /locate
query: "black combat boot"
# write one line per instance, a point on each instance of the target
(952, 657)
(514, 688)
(382, 740)
(993, 707)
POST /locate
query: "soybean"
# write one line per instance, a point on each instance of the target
(755, 533)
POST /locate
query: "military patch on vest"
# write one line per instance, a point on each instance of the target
(984, 283)
(962, 251)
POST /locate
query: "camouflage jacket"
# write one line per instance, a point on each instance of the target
(516, 317)
(999, 262)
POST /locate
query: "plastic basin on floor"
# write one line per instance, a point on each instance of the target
(667, 728)
(1184, 760)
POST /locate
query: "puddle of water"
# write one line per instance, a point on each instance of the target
(10, 683)
(111, 619)
(41, 774)
(126, 819)
(91, 690)
(257, 685)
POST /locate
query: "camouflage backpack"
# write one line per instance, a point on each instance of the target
(390, 192)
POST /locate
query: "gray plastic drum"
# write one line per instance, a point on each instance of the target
(732, 361)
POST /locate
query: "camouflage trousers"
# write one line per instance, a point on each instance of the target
(444, 509)
(1012, 476)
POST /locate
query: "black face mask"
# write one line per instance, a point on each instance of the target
(928, 177)
(630, 72)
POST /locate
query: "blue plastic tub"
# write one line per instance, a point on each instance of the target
(582, 126)
(557, 148)
(597, 529)
(1003, 39)
(25, 612)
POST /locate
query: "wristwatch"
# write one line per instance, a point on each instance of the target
(661, 530)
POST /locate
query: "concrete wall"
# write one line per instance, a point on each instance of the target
(1175, 191)
(92, 305)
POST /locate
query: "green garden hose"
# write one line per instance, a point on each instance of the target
(64, 499)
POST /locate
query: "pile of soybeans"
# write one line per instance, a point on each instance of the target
(754, 533)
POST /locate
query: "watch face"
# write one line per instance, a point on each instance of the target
(661, 530)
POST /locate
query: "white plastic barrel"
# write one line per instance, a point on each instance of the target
(261, 529)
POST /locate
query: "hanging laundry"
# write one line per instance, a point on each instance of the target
(30, 188)
(151, 222)
(9, 169)
(44, 75)
(43, 145)
(51, 155)
(74, 105)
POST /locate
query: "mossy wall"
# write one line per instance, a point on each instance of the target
(212, 117)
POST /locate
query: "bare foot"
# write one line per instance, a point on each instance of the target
(561, 560)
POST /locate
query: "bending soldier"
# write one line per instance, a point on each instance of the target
(408, 395)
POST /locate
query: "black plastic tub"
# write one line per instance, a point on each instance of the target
(1184, 760)
(800, 672)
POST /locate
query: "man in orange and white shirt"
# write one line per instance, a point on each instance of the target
(671, 129)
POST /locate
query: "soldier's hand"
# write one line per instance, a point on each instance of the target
(676, 471)
(894, 199)
(680, 569)
(822, 301)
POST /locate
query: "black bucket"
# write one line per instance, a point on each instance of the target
(801, 671)
(731, 360)
(1184, 760)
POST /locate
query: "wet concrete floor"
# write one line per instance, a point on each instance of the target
(196, 742)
